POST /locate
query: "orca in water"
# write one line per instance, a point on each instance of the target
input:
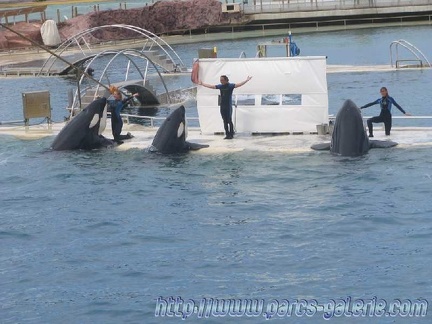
(349, 136)
(84, 131)
(171, 135)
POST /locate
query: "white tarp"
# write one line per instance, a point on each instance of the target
(50, 34)
(286, 94)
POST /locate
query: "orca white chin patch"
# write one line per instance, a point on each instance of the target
(103, 120)
(94, 121)
(180, 130)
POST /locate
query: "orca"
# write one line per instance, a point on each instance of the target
(84, 131)
(349, 137)
(171, 135)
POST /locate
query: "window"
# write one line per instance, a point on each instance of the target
(245, 100)
(292, 99)
(270, 100)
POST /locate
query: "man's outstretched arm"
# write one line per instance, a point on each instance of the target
(243, 83)
(211, 86)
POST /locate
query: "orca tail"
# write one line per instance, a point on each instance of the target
(321, 147)
(195, 146)
(381, 144)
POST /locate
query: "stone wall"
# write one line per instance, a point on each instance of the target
(159, 18)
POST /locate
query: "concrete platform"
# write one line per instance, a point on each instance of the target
(290, 144)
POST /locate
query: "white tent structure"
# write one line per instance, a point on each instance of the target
(50, 34)
(285, 94)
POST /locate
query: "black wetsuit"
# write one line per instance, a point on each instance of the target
(385, 115)
(226, 91)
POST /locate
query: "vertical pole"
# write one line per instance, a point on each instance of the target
(78, 87)
(70, 98)
(58, 16)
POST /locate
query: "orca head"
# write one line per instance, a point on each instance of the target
(84, 130)
(171, 135)
(349, 136)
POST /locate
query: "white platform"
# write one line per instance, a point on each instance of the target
(405, 136)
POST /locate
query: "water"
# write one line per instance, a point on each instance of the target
(97, 237)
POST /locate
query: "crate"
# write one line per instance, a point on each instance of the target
(36, 105)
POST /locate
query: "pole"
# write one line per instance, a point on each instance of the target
(78, 69)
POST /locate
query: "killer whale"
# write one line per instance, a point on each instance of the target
(349, 136)
(84, 131)
(171, 135)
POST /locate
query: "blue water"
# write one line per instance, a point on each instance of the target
(97, 237)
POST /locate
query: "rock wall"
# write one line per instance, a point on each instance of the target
(9, 40)
(161, 17)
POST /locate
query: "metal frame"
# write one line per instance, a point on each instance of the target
(411, 48)
(151, 40)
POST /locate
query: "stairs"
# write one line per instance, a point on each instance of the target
(164, 62)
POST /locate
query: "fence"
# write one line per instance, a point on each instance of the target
(278, 6)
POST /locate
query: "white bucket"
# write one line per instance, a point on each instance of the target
(322, 129)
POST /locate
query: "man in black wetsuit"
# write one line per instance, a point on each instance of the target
(385, 116)
(226, 89)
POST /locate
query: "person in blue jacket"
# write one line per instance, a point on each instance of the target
(226, 89)
(386, 102)
(116, 105)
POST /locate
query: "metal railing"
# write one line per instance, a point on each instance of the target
(152, 119)
(411, 48)
(150, 40)
(275, 6)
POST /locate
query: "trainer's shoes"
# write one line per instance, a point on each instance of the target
(370, 135)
